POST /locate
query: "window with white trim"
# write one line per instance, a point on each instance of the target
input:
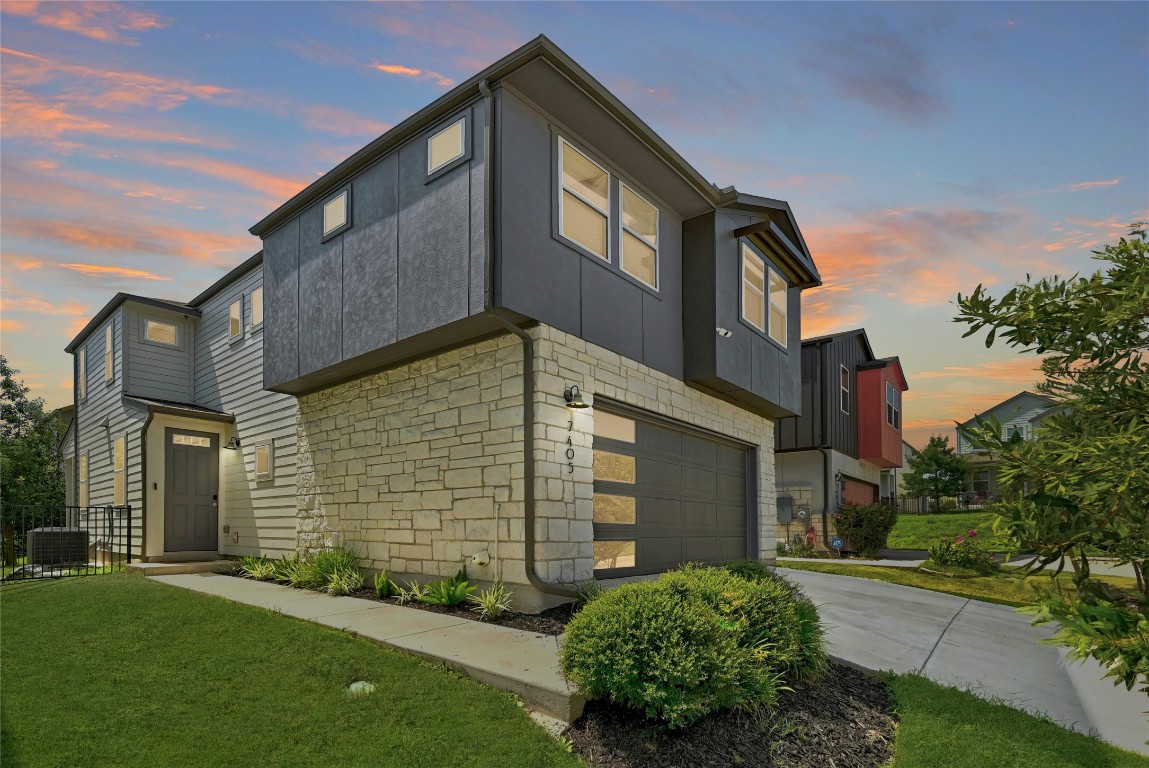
(447, 146)
(257, 307)
(235, 319)
(778, 327)
(161, 333)
(893, 406)
(753, 288)
(844, 387)
(584, 201)
(264, 469)
(82, 372)
(109, 357)
(639, 237)
(119, 474)
(83, 477)
(335, 213)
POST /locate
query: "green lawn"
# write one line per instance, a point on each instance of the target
(920, 531)
(118, 671)
(1006, 586)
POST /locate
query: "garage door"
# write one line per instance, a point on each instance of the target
(857, 492)
(664, 496)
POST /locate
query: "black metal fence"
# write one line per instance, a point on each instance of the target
(930, 505)
(57, 541)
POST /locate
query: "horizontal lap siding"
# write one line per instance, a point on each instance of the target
(155, 370)
(229, 377)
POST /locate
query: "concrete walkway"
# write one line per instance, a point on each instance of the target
(524, 663)
(989, 650)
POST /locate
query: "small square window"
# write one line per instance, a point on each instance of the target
(447, 146)
(335, 213)
(161, 333)
(257, 307)
(235, 319)
(263, 462)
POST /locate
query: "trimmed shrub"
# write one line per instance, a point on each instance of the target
(866, 527)
(752, 570)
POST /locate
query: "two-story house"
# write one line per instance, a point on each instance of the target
(1019, 415)
(518, 331)
(847, 439)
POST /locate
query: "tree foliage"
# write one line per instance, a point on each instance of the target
(29, 446)
(947, 471)
(1088, 468)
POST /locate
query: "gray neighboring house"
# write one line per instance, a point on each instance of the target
(517, 331)
(1022, 415)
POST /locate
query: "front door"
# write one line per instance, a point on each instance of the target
(191, 491)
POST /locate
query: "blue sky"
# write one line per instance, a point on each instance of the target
(923, 147)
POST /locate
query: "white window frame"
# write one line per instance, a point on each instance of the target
(345, 196)
(772, 275)
(149, 321)
(747, 251)
(622, 227)
(432, 169)
(844, 390)
(84, 475)
(82, 372)
(1020, 430)
(119, 471)
(564, 188)
(270, 473)
(109, 352)
(254, 293)
(234, 323)
(893, 406)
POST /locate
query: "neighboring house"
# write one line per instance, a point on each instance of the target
(847, 438)
(1020, 415)
(443, 303)
(894, 480)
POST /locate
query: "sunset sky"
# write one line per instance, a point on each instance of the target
(924, 148)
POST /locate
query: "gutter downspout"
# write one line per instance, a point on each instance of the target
(143, 489)
(824, 450)
(528, 358)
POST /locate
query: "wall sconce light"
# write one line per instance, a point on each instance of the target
(724, 333)
(574, 397)
(232, 444)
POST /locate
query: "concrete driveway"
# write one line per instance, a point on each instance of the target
(986, 649)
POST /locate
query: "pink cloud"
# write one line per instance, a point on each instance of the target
(412, 72)
(96, 20)
(341, 122)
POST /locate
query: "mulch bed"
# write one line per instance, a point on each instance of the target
(552, 621)
(844, 720)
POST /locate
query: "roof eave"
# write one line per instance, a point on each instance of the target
(116, 301)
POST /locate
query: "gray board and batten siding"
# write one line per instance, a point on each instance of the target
(822, 421)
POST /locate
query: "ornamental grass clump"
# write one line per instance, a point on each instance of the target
(962, 551)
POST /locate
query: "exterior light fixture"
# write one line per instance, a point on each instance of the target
(232, 444)
(724, 333)
(574, 397)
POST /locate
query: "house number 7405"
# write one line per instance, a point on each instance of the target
(570, 447)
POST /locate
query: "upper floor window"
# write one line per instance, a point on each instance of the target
(844, 387)
(109, 357)
(584, 203)
(257, 307)
(335, 216)
(778, 326)
(161, 333)
(235, 319)
(82, 372)
(639, 237)
(1016, 429)
(893, 406)
(447, 145)
(753, 289)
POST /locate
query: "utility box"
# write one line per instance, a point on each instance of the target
(57, 546)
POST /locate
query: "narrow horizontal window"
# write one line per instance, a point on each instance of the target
(753, 289)
(614, 554)
(584, 205)
(609, 508)
(446, 146)
(263, 466)
(161, 333)
(613, 467)
(109, 357)
(196, 441)
(335, 213)
(235, 319)
(257, 307)
(639, 237)
(613, 427)
(778, 325)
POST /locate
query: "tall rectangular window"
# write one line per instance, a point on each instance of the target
(83, 476)
(109, 357)
(893, 406)
(446, 146)
(119, 484)
(845, 388)
(753, 289)
(257, 307)
(82, 373)
(235, 319)
(639, 237)
(263, 462)
(778, 329)
(584, 203)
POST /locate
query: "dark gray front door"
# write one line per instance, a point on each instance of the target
(665, 496)
(191, 491)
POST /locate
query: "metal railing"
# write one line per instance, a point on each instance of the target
(48, 542)
(930, 505)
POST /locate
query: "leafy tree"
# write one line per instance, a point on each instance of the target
(935, 471)
(1089, 463)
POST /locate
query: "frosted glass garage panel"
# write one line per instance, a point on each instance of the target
(613, 427)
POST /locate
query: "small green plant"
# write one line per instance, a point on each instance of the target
(289, 570)
(415, 592)
(493, 602)
(866, 527)
(384, 587)
(587, 592)
(962, 551)
(258, 568)
(452, 591)
(343, 581)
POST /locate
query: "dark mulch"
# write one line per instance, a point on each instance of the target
(844, 720)
(552, 621)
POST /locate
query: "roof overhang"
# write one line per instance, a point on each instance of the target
(171, 408)
(888, 362)
(117, 300)
(224, 281)
(860, 332)
(768, 236)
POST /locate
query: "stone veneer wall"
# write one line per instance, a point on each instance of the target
(420, 467)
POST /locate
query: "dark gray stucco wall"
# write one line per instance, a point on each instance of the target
(411, 262)
(544, 277)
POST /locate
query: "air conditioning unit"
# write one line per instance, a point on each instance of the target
(57, 546)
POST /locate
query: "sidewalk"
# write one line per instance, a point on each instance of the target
(524, 663)
(989, 650)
